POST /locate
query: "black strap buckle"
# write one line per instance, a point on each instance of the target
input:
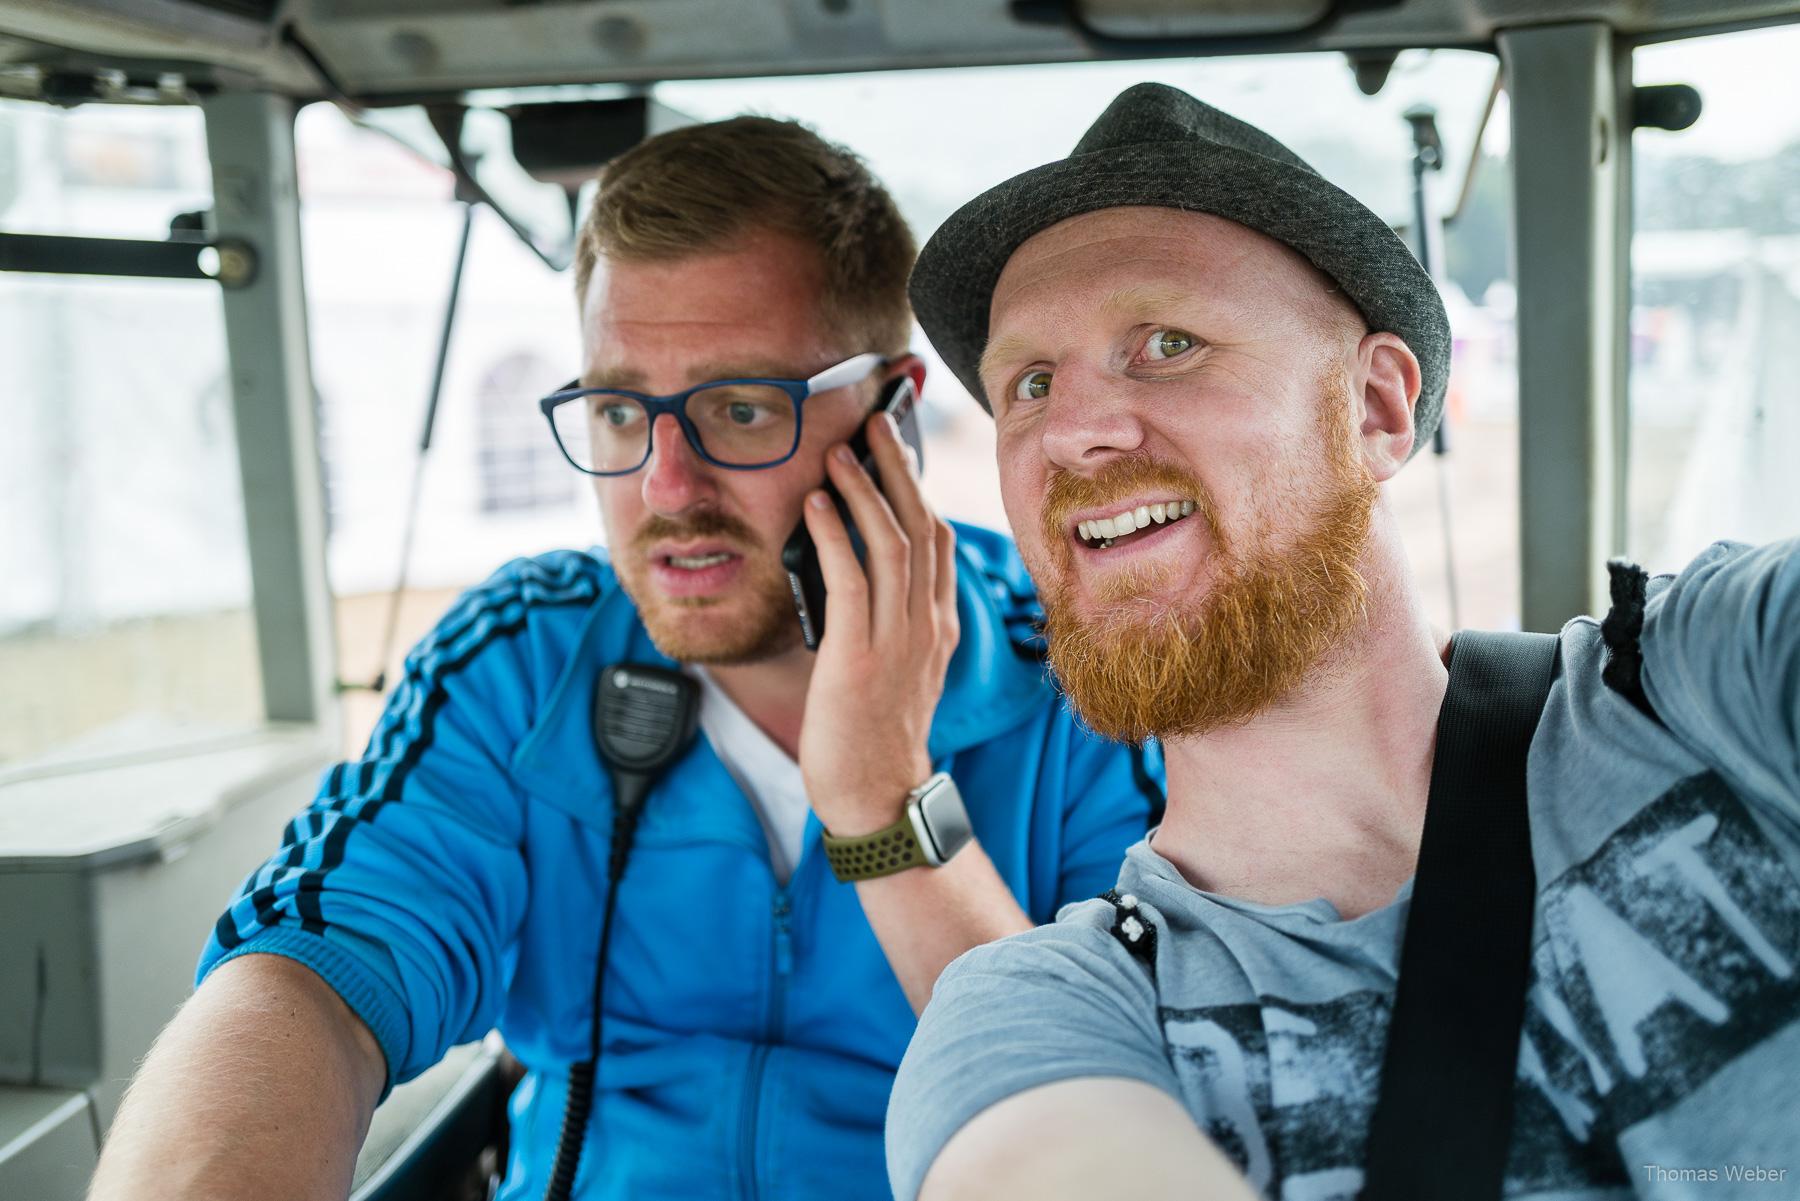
(1132, 927)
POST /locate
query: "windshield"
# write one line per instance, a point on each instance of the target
(939, 137)
(380, 228)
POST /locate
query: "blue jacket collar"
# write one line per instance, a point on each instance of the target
(995, 681)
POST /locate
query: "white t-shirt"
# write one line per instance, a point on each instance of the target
(762, 769)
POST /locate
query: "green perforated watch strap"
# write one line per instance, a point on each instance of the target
(869, 856)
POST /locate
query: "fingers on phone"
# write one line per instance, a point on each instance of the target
(900, 485)
(889, 548)
(880, 535)
(844, 579)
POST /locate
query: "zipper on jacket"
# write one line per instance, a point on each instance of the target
(781, 910)
(753, 1074)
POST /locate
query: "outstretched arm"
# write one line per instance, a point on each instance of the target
(1722, 666)
(261, 1087)
(1079, 1139)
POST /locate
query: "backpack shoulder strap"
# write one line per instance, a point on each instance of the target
(1442, 1124)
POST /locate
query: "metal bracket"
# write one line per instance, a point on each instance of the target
(229, 261)
(1670, 106)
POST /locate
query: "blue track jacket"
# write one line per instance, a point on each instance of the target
(452, 880)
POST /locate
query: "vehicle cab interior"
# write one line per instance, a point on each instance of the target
(281, 281)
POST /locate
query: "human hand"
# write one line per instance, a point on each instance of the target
(888, 639)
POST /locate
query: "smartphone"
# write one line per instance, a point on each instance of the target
(899, 399)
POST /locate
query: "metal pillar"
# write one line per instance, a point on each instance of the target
(1570, 139)
(250, 138)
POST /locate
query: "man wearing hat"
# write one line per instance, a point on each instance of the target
(1204, 363)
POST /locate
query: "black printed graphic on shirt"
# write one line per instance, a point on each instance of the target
(1668, 954)
(1671, 952)
(1287, 1088)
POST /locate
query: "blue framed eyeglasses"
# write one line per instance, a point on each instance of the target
(739, 424)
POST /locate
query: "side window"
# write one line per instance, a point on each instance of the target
(1715, 260)
(520, 467)
(124, 615)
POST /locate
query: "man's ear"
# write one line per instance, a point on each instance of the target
(909, 365)
(1389, 382)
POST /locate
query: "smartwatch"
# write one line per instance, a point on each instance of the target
(934, 827)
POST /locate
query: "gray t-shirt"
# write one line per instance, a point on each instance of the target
(1660, 1055)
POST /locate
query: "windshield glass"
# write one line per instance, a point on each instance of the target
(381, 228)
(939, 137)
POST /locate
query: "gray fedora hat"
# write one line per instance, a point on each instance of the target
(1157, 145)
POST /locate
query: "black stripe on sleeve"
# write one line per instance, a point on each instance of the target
(421, 674)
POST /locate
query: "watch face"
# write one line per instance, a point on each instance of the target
(946, 822)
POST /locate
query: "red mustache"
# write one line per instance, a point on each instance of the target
(707, 523)
(1067, 493)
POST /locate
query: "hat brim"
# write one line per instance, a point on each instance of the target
(953, 283)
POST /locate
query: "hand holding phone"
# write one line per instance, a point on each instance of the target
(880, 669)
(800, 555)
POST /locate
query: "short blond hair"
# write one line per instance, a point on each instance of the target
(697, 188)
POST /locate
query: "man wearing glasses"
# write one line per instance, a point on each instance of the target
(781, 918)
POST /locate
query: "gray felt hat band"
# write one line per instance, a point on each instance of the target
(1160, 147)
